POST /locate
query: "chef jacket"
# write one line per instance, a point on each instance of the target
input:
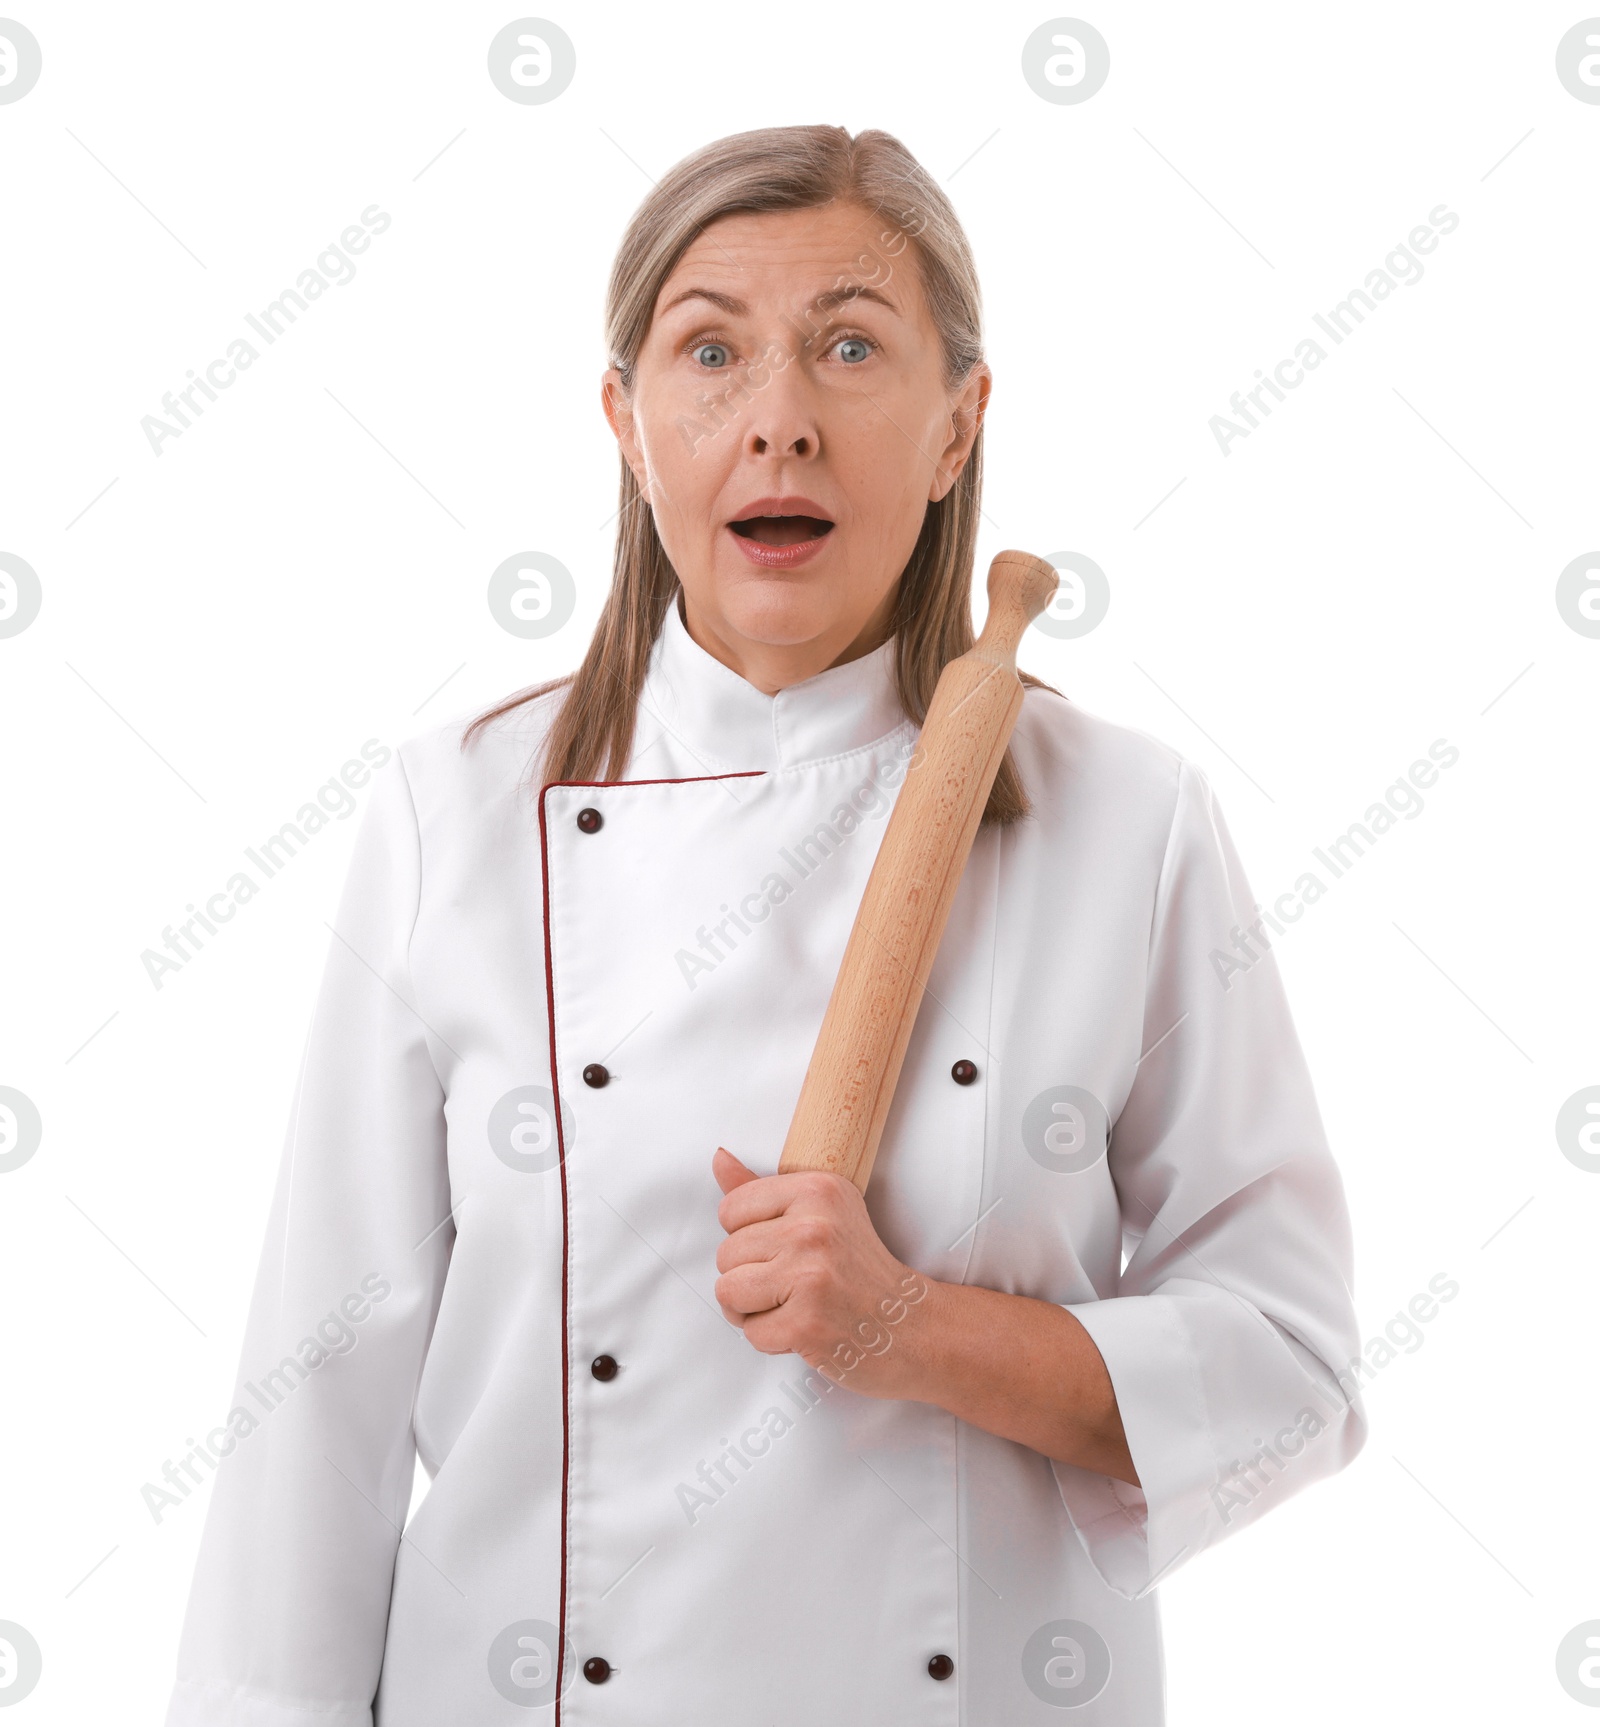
(492, 1243)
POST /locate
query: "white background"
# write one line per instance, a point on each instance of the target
(305, 568)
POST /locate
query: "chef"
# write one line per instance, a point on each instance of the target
(707, 1444)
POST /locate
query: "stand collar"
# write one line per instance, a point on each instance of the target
(729, 723)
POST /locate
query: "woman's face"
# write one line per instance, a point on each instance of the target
(788, 426)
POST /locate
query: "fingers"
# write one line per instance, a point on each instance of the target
(729, 1171)
(765, 1240)
(771, 1196)
(770, 1332)
(755, 1288)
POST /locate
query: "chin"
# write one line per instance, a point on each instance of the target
(779, 613)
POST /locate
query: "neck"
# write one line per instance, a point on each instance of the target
(773, 666)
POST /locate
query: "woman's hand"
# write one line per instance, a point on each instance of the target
(804, 1273)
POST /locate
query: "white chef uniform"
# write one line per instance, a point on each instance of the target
(493, 1240)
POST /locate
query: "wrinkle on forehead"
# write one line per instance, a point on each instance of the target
(834, 258)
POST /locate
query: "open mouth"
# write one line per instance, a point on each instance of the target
(782, 530)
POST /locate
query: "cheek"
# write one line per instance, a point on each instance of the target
(688, 448)
(896, 435)
(885, 477)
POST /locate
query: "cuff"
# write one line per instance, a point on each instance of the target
(201, 1703)
(1134, 1536)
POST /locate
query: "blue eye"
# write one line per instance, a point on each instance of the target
(852, 342)
(712, 348)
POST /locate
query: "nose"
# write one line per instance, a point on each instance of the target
(780, 415)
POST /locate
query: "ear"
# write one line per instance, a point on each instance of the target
(618, 411)
(966, 419)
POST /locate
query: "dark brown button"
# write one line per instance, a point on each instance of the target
(590, 821)
(963, 1073)
(604, 1367)
(941, 1666)
(597, 1670)
(596, 1075)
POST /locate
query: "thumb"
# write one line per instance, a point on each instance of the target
(729, 1171)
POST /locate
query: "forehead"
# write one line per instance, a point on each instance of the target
(789, 256)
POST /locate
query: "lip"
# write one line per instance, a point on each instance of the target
(788, 504)
(781, 557)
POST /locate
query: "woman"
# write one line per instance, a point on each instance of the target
(709, 1444)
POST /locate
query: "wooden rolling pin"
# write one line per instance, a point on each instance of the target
(855, 1064)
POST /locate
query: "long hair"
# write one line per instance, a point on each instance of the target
(778, 168)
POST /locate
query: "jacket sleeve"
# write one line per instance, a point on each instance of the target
(1230, 1339)
(290, 1599)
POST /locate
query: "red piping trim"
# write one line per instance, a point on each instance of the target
(561, 1148)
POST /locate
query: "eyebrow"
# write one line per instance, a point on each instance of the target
(824, 302)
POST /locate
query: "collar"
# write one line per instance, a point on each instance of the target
(723, 718)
